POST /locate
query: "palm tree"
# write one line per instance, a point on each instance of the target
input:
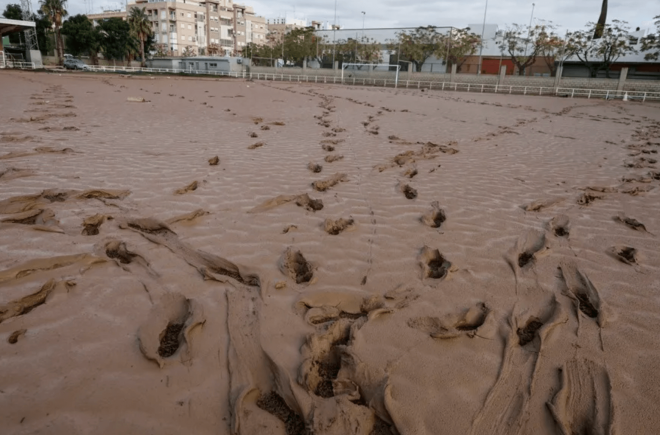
(141, 28)
(601, 21)
(55, 10)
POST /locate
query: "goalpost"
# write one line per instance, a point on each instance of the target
(375, 68)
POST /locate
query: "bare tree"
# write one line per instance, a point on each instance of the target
(652, 42)
(600, 54)
(523, 44)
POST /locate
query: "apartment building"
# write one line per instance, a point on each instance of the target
(196, 24)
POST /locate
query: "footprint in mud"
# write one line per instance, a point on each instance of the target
(265, 128)
(253, 134)
(13, 173)
(117, 250)
(214, 161)
(584, 402)
(170, 327)
(453, 326)
(302, 200)
(630, 223)
(410, 173)
(587, 198)
(335, 227)
(434, 264)
(527, 333)
(527, 249)
(289, 228)
(189, 188)
(323, 185)
(275, 405)
(540, 204)
(91, 224)
(27, 303)
(583, 293)
(188, 217)
(435, 217)
(408, 191)
(328, 148)
(294, 265)
(316, 168)
(333, 158)
(255, 146)
(560, 226)
(13, 338)
(91, 194)
(309, 203)
(624, 254)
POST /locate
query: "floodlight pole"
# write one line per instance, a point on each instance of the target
(481, 47)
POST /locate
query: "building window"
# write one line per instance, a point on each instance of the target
(213, 65)
(189, 38)
(162, 15)
(189, 16)
(189, 27)
(183, 26)
(183, 38)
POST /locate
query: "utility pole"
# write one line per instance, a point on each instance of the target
(529, 30)
(481, 46)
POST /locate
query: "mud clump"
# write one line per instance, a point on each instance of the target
(170, 340)
(255, 146)
(336, 227)
(328, 148)
(294, 265)
(214, 161)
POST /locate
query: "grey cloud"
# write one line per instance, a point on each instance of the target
(569, 14)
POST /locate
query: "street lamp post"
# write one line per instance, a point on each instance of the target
(481, 46)
(334, 37)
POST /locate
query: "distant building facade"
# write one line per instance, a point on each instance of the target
(182, 24)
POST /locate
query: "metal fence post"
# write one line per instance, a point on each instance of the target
(573, 93)
(644, 97)
(589, 94)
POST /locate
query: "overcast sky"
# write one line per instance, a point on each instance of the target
(570, 14)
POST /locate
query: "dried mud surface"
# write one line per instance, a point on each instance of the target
(389, 261)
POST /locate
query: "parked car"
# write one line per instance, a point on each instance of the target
(75, 64)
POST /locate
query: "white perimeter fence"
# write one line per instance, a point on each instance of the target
(408, 84)
(8, 62)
